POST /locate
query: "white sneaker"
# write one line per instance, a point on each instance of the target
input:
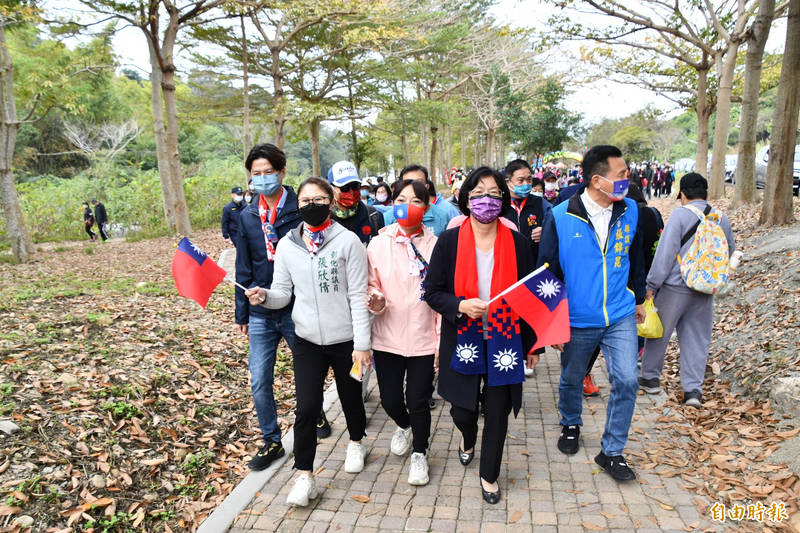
(528, 372)
(418, 473)
(401, 441)
(304, 490)
(354, 460)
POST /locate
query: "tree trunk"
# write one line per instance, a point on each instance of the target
(182, 224)
(162, 157)
(777, 206)
(434, 145)
(703, 111)
(279, 116)
(490, 136)
(725, 68)
(353, 132)
(406, 153)
(463, 149)
(423, 139)
(313, 135)
(449, 163)
(501, 151)
(16, 231)
(477, 148)
(442, 159)
(745, 191)
(246, 141)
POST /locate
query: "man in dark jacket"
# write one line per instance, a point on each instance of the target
(348, 209)
(231, 213)
(272, 215)
(101, 217)
(592, 242)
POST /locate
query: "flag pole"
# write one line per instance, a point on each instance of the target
(235, 283)
(520, 282)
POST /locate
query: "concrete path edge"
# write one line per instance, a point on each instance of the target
(243, 494)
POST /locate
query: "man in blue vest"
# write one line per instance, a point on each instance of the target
(591, 242)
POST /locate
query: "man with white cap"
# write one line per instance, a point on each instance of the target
(348, 209)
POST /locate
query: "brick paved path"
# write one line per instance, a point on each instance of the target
(542, 489)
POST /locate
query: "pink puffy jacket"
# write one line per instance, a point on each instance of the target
(407, 326)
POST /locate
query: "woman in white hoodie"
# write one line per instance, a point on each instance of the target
(324, 266)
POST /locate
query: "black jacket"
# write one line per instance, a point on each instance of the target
(529, 218)
(650, 226)
(230, 219)
(566, 193)
(100, 214)
(456, 388)
(88, 217)
(252, 267)
(365, 223)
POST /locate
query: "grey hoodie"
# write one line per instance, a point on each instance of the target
(330, 287)
(665, 269)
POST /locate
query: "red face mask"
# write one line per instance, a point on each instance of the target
(349, 199)
(413, 218)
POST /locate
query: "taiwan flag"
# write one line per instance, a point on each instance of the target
(540, 299)
(195, 274)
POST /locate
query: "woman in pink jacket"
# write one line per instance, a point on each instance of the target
(404, 332)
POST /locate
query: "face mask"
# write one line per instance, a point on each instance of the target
(485, 208)
(364, 193)
(251, 187)
(550, 186)
(523, 190)
(381, 197)
(315, 215)
(237, 198)
(248, 199)
(267, 184)
(348, 199)
(408, 215)
(538, 193)
(620, 189)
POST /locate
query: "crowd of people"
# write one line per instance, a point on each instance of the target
(355, 275)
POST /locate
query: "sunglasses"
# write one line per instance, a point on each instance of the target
(352, 186)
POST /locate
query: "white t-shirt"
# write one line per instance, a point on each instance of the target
(485, 263)
(599, 216)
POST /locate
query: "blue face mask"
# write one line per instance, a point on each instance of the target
(364, 193)
(523, 190)
(267, 184)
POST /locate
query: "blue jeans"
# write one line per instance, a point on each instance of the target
(265, 334)
(619, 345)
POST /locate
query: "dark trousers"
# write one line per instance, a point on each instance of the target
(89, 231)
(311, 363)
(102, 228)
(495, 427)
(592, 359)
(417, 372)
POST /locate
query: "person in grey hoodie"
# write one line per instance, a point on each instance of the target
(324, 267)
(691, 312)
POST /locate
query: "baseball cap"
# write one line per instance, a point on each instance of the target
(342, 173)
(692, 180)
(236, 190)
(365, 183)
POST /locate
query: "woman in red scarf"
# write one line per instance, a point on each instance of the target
(481, 340)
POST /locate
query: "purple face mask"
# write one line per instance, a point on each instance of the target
(485, 208)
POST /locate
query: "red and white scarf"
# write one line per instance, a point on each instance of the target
(268, 217)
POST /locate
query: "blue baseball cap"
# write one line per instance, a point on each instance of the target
(236, 190)
(342, 173)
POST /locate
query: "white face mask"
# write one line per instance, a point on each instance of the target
(537, 193)
(381, 197)
(251, 187)
(550, 186)
(237, 198)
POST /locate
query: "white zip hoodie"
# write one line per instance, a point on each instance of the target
(330, 287)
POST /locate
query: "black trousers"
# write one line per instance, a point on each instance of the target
(311, 363)
(495, 427)
(89, 231)
(102, 229)
(595, 354)
(417, 373)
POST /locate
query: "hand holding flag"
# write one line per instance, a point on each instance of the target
(540, 299)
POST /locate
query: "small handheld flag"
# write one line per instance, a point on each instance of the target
(195, 274)
(540, 299)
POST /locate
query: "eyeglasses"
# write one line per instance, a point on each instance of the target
(317, 200)
(352, 186)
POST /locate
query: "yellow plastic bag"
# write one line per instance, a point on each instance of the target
(651, 328)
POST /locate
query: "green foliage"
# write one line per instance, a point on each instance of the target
(119, 409)
(194, 463)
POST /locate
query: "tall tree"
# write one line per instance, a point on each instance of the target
(757, 39)
(777, 206)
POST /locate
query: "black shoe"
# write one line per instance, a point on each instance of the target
(693, 399)
(568, 441)
(490, 497)
(615, 466)
(268, 453)
(323, 426)
(431, 402)
(650, 386)
(464, 457)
